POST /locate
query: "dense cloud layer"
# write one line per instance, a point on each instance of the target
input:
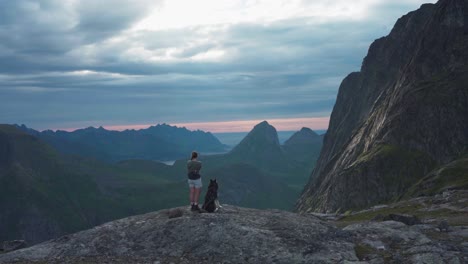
(79, 63)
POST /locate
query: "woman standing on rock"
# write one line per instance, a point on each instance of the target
(194, 180)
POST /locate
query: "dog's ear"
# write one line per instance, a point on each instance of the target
(215, 180)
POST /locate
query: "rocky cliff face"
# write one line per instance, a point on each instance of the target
(402, 115)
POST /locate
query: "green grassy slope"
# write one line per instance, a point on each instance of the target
(44, 194)
(451, 176)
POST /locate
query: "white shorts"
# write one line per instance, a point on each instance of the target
(195, 183)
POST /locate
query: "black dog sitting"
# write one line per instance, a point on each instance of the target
(211, 203)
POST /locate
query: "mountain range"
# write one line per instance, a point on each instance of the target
(161, 142)
(45, 193)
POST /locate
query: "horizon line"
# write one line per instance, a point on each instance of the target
(280, 124)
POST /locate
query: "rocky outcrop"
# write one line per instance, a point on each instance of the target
(13, 245)
(401, 116)
(441, 217)
(403, 218)
(240, 235)
(235, 235)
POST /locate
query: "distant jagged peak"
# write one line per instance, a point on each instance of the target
(263, 123)
(159, 125)
(263, 131)
(261, 140)
(303, 136)
(308, 131)
(92, 128)
(169, 127)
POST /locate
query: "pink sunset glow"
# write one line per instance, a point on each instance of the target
(282, 124)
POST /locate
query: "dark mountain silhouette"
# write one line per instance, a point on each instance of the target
(403, 115)
(304, 145)
(160, 142)
(304, 136)
(260, 148)
(261, 139)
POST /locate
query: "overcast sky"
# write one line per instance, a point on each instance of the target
(208, 64)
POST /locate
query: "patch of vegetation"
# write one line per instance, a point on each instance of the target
(453, 217)
(363, 251)
(390, 167)
(451, 176)
(371, 214)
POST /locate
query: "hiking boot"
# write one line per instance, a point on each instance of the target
(192, 208)
(196, 208)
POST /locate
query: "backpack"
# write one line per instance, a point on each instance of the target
(194, 175)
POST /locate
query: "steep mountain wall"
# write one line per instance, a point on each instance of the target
(402, 115)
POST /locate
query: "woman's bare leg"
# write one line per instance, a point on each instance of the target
(192, 195)
(196, 195)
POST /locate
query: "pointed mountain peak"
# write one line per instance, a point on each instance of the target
(304, 136)
(307, 130)
(265, 130)
(262, 124)
(262, 137)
